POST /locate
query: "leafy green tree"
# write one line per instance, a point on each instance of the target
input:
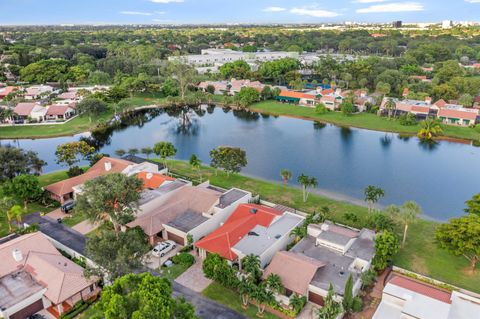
(347, 108)
(390, 106)
(164, 150)
(297, 302)
(210, 264)
(306, 182)
(116, 253)
(195, 163)
(114, 195)
(267, 93)
(170, 87)
(230, 159)
(372, 195)
(473, 205)
(466, 100)
(347, 301)
(320, 108)
(15, 161)
(182, 74)
(331, 309)
(132, 151)
(141, 297)
(147, 151)
(298, 233)
(99, 78)
(120, 152)
(429, 129)
(247, 96)
(68, 152)
(6, 206)
(25, 187)
(380, 221)
(237, 69)
(286, 175)
(91, 107)
(461, 237)
(386, 247)
(446, 71)
(408, 213)
(50, 70)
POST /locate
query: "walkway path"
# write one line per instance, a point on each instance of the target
(84, 227)
(57, 213)
(193, 278)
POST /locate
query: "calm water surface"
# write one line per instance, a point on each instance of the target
(344, 161)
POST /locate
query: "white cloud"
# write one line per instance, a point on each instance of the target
(167, 1)
(317, 13)
(473, 1)
(368, 1)
(393, 7)
(136, 13)
(274, 9)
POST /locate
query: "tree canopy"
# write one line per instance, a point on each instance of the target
(230, 159)
(15, 161)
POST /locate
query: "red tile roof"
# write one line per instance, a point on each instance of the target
(420, 109)
(327, 91)
(24, 109)
(296, 95)
(421, 288)
(57, 109)
(7, 90)
(458, 114)
(240, 222)
(440, 103)
(405, 91)
(153, 181)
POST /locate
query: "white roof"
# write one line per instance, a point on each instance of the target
(464, 306)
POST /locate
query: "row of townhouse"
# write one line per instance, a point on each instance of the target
(452, 114)
(331, 98)
(231, 87)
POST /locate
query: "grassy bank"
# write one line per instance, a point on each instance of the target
(421, 254)
(361, 120)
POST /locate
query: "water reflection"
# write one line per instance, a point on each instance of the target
(318, 125)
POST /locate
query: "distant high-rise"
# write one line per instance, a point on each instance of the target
(397, 24)
(447, 24)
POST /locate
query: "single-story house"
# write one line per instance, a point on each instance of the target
(251, 229)
(177, 209)
(7, 90)
(327, 255)
(458, 115)
(405, 297)
(237, 85)
(221, 87)
(30, 111)
(35, 92)
(295, 97)
(34, 276)
(59, 112)
(69, 95)
(65, 190)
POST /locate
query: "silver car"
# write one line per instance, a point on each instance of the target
(161, 249)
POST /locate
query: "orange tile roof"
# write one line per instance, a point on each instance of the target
(57, 109)
(440, 103)
(152, 180)
(66, 186)
(296, 95)
(240, 222)
(420, 109)
(327, 91)
(297, 281)
(7, 90)
(24, 109)
(457, 114)
(421, 288)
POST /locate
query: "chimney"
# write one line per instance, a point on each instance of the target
(108, 166)
(149, 175)
(17, 255)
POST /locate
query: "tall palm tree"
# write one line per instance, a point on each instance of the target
(390, 105)
(263, 297)
(306, 183)
(296, 302)
(429, 129)
(6, 203)
(286, 175)
(195, 163)
(15, 212)
(372, 195)
(251, 265)
(409, 212)
(298, 233)
(246, 287)
(274, 283)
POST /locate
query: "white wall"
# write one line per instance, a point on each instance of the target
(22, 304)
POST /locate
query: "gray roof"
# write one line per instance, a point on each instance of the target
(16, 287)
(230, 197)
(364, 246)
(334, 237)
(187, 221)
(267, 236)
(139, 160)
(147, 195)
(59, 232)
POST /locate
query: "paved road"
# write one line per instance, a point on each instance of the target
(206, 308)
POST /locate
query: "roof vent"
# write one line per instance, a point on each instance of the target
(253, 210)
(108, 166)
(149, 175)
(252, 233)
(17, 255)
(278, 236)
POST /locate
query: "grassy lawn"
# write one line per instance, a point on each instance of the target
(173, 271)
(75, 219)
(89, 313)
(232, 300)
(361, 120)
(421, 254)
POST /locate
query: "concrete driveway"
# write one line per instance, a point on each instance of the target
(194, 278)
(153, 262)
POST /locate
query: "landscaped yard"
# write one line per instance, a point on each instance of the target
(362, 120)
(173, 271)
(420, 254)
(232, 300)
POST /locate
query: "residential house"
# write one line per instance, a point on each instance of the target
(237, 85)
(34, 276)
(421, 109)
(30, 111)
(37, 91)
(4, 91)
(251, 229)
(296, 97)
(329, 254)
(59, 112)
(405, 297)
(458, 115)
(221, 87)
(176, 209)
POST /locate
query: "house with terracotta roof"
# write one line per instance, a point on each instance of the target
(405, 297)
(329, 254)
(30, 111)
(59, 112)
(221, 87)
(37, 91)
(298, 97)
(421, 109)
(251, 229)
(176, 210)
(66, 190)
(458, 115)
(34, 276)
(4, 91)
(237, 85)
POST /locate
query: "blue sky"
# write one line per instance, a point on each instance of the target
(234, 11)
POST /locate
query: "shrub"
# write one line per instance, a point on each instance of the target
(357, 304)
(183, 258)
(368, 278)
(74, 171)
(321, 109)
(407, 119)
(27, 230)
(477, 128)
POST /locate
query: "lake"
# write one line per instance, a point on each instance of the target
(440, 177)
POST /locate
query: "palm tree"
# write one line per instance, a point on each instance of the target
(298, 233)
(132, 151)
(430, 128)
(286, 175)
(409, 212)
(6, 203)
(262, 296)
(120, 152)
(372, 195)
(195, 163)
(296, 302)
(306, 182)
(147, 151)
(274, 283)
(251, 265)
(389, 106)
(16, 212)
(246, 288)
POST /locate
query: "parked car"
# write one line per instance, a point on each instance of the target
(161, 249)
(68, 206)
(36, 316)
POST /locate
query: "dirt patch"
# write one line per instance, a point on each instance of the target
(467, 271)
(418, 265)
